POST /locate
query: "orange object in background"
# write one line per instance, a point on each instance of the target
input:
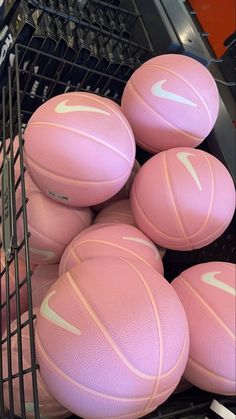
(217, 17)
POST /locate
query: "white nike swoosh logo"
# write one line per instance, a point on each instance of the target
(145, 243)
(49, 314)
(47, 254)
(157, 90)
(210, 279)
(62, 107)
(184, 158)
(1, 2)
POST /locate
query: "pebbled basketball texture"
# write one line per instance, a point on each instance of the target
(116, 212)
(117, 240)
(42, 279)
(51, 225)
(118, 344)
(79, 148)
(207, 292)
(170, 101)
(183, 198)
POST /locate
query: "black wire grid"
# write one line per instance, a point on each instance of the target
(26, 89)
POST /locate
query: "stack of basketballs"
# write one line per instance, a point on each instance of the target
(113, 336)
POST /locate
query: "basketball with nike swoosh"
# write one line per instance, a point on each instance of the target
(49, 408)
(112, 339)
(52, 225)
(114, 240)
(207, 292)
(183, 198)
(79, 149)
(171, 101)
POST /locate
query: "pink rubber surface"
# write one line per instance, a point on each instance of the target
(123, 193)
(116, 212)
(51, 224)
(42, 279)
(164, 121)
(109, 349)
(183, 198)
(117, 240)
(93, 151)
(207, 292)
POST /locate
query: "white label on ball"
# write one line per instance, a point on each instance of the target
(62, 107)
(46, 254)
(210, 279)
(49, 314)
(184, 158)
(58, 196)
(157, 90)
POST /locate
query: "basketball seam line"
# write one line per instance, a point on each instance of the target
(174, 237)
(86, 135)
(69, 180)
(65, 257)
(206, 238)
(147, 146)
(190, 85)
(88, 389)
(149, 221)
(159, 335)
(79, 216)
(117, 246)
(209, 372)
(186, 340)
(211, 199)
(172, 197)
(208, 307)
(43, 235)
(42, 286)
(190, 237)
(193, 137)
(106, 334)
(122, 118)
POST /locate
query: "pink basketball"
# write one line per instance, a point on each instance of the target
(42, 279)
(79, 148)
(114, 240)
(118, 344)
(207, 292)
(171, 101)
(52, 225)
(49, 407)
(193, 203)
(12, 288)
(124, 192)
(117, 212)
